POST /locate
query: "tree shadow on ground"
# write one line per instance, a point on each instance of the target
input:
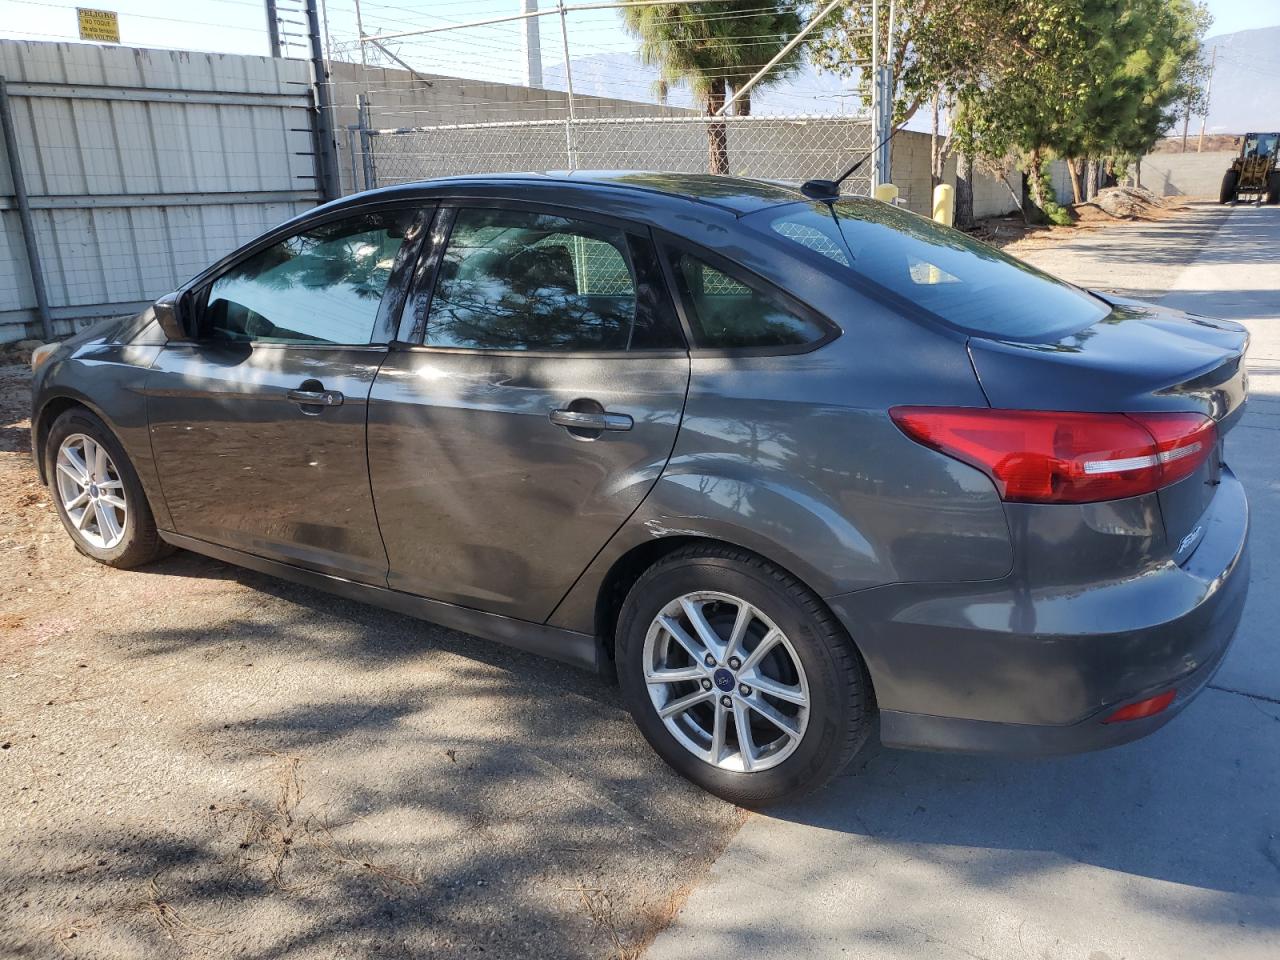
(331, 779)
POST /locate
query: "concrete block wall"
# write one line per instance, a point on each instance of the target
(910, 160)
(398, 98)
(1164, 174)
(1185, 174)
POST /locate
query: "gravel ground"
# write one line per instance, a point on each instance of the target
(198, 761)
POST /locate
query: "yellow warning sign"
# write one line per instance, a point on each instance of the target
(100, 25)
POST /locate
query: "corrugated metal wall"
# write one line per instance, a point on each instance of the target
(143, 166)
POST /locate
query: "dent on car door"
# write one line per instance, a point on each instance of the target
(258, 426)
(538, 411)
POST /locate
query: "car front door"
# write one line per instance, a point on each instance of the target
(258, 425)
(536, 412)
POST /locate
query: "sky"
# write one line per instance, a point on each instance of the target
(493, 53)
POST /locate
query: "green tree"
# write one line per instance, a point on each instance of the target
(1196, 73)
(1098, 78)
(934, 46)
(1140, 66)
(940, 51)
(715, 48)
(1035, 78)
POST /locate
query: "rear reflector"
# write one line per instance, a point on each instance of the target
(1143, 708)
(1038, 456)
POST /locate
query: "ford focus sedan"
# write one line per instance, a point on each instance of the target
(784, 466)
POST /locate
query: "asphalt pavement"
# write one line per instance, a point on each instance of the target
(1165, 848)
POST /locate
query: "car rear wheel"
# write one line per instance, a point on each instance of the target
(97, 492)
(740, 677)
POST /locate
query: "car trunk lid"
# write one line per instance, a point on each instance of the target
(1139, 358)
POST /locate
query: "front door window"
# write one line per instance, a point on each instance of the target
(322, 286)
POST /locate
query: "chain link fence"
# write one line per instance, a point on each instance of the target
(768, 148)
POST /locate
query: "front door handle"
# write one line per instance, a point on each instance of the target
(583, 420)
(316, 398)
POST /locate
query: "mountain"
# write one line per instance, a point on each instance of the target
(1246, 82)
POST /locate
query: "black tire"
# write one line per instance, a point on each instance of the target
(1230, 180)
(841, 704)
(141, 543)
(1273, 187)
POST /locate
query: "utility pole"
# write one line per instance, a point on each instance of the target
(1208, 97)
(532, 45)
(877, 130)
(885, 74)
(569, 131)
(273, 28)
(364, 56)
(326, 159)
(887, 84)
(568, 67)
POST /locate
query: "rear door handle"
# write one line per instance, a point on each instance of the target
(316, 398)
(591, 421)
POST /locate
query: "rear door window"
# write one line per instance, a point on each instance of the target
(730, 313)
(520, 280)
(961, 281)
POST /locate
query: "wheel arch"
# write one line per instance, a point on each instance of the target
(52, 408)
(627, 568)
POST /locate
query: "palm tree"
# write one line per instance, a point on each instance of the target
(715, 48)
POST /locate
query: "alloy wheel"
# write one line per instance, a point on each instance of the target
(91, 491)
(726, 682)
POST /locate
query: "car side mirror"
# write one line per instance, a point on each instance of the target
(175, 316)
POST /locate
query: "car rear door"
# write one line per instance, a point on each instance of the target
(536, 408)
(258, 426)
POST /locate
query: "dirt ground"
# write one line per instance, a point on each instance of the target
(1013, 235)
(198, 761)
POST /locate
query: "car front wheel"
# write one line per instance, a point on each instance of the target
(97, 492)
(740, 677)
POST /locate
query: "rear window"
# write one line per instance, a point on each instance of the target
(959, 280)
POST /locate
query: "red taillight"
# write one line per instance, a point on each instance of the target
(1038, 456)
(1143, 708)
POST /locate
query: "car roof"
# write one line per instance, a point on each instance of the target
(736, 195)
(739, 194)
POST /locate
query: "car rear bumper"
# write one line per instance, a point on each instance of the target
(1000, 667)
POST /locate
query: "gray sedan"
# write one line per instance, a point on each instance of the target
(779, 463)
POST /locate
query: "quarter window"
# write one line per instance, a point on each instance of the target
(322, 286)
(516, 280)
(727, 314)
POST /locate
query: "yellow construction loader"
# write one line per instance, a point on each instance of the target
(1253, 174)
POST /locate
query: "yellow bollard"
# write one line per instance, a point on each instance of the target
(886, 193)
(944, 204)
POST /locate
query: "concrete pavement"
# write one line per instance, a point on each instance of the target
(1166, 848)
